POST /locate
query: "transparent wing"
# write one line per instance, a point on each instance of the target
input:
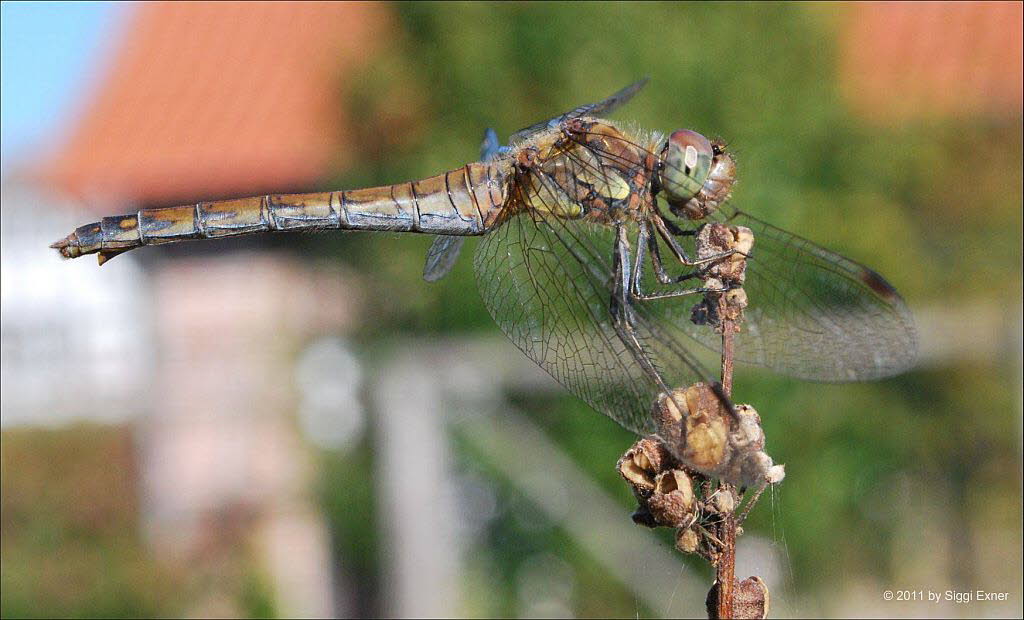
(817, 315)
(600, 108)
(812, 314)
(441, 256)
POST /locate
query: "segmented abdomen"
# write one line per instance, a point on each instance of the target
(464, 201)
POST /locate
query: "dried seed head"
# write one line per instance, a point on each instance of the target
(713, 238)
(674, 480)
(712, 444)
(714, 283)
(631, 466)
(640, 460)
(732, 270)
(671, 407)
(717, 238)
(723, 276)
(705, 445)
(687, 540)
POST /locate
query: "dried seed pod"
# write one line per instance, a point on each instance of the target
(668, 412)
(631, 467)
(707, 429)
(669, 509)
(750, 599)
(653, 455)
(672, 503)
(644, 460)
(675, 480)
(724, 276)
(637, 478)
(687, 540)
(717, 238)
(724, 501)
(736, 298)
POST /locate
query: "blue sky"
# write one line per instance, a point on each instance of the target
(52, 52)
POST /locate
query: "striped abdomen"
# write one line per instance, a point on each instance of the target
(464, 201)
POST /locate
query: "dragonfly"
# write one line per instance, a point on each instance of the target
(587, 260)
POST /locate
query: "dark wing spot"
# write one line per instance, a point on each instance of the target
(878, 284)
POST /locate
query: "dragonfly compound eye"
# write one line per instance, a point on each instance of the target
(686, 164)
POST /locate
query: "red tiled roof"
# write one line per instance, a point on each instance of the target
(934, 59)
(212, 99)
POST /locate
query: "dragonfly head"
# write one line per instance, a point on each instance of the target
(696, 175)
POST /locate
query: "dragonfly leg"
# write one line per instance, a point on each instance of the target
(661, 226)
(621, 310)
(674, 228)
(636, 293)
(646, 240)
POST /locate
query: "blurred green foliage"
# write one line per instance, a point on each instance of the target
(71, 545)
(934, 204)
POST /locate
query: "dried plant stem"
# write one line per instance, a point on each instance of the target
(702, 439)
(750, 504)
(725, 568)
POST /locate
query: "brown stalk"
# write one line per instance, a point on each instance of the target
(725, 568)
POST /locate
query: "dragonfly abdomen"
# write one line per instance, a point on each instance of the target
(464, 201)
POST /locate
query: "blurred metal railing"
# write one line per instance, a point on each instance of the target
(429, 390)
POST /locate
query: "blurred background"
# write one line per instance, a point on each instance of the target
(298, 425)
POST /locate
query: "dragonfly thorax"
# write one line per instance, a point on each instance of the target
(588, 169)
